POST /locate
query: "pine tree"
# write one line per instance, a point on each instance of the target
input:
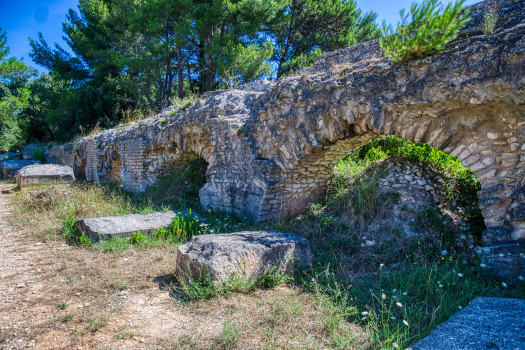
(305, 27)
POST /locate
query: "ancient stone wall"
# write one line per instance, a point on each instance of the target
(271, 146)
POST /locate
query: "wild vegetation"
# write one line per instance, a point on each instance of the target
(425, 31)
(383, 296)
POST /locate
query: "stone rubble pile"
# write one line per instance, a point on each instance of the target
(413, 175)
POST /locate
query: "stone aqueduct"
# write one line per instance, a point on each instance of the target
(271, 146)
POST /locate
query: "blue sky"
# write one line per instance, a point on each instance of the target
(25, 18)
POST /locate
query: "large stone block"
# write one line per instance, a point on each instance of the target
(44, 173)
(487, 323)
(248, 253)
(11, 167)
(106, 227)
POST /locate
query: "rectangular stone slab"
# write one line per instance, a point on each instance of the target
(106, 227)
(44, 173)
(486, 323)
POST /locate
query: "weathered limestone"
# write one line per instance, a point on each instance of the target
(11, 167)
(106, 227)
(486, 323)
(44, 173)
(271, 146)
(247, 254)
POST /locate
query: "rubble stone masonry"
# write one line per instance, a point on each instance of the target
(271, 146)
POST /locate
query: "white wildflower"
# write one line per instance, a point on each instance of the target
(399, 304)
(381, 265)
(504, 284)
(444, 253)
(394, 290)
(482, 265)
(440, 286)
(392, 318)
(460, 307)
(364, 313)
(395, 345)
(405, 293)
(405, 323)
(460, 275)
(521, 278)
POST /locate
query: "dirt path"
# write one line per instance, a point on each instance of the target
(54, 296)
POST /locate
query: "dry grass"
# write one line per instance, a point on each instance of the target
(42, 209)
(116, 300)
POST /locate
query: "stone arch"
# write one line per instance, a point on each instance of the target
(488, 139)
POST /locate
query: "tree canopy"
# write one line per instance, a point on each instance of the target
(128, 58)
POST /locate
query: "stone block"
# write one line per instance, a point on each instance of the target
(124, 226)
(249, 254)
(11, 167)
(486, 323)
(44, 173)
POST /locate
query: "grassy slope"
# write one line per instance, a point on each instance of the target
(399, 289)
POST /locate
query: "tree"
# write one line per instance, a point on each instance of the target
(220, 27)
(93, 78)
(306, 27)
(14, 94)
(425, 31)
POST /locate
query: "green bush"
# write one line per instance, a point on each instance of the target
(181, 229)
(431, 27)
(137, 237)
(182, 103)
(38, 154)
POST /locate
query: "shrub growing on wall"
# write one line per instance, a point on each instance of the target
(424, 31)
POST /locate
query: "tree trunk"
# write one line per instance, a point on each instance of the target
(179, 72)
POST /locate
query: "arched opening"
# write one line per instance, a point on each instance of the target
(80, 168)
(391, 202)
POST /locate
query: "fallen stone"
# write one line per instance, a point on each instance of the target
(249, 254)
(44, 173)
(10, 167)
(124, 226)
(486, 323)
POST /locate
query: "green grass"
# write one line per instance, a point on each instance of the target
(229, 335)
(201, 287)
(67, 318)
(62, 305)
(98, 322)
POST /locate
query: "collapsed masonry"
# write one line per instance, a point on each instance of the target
(271, 146)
